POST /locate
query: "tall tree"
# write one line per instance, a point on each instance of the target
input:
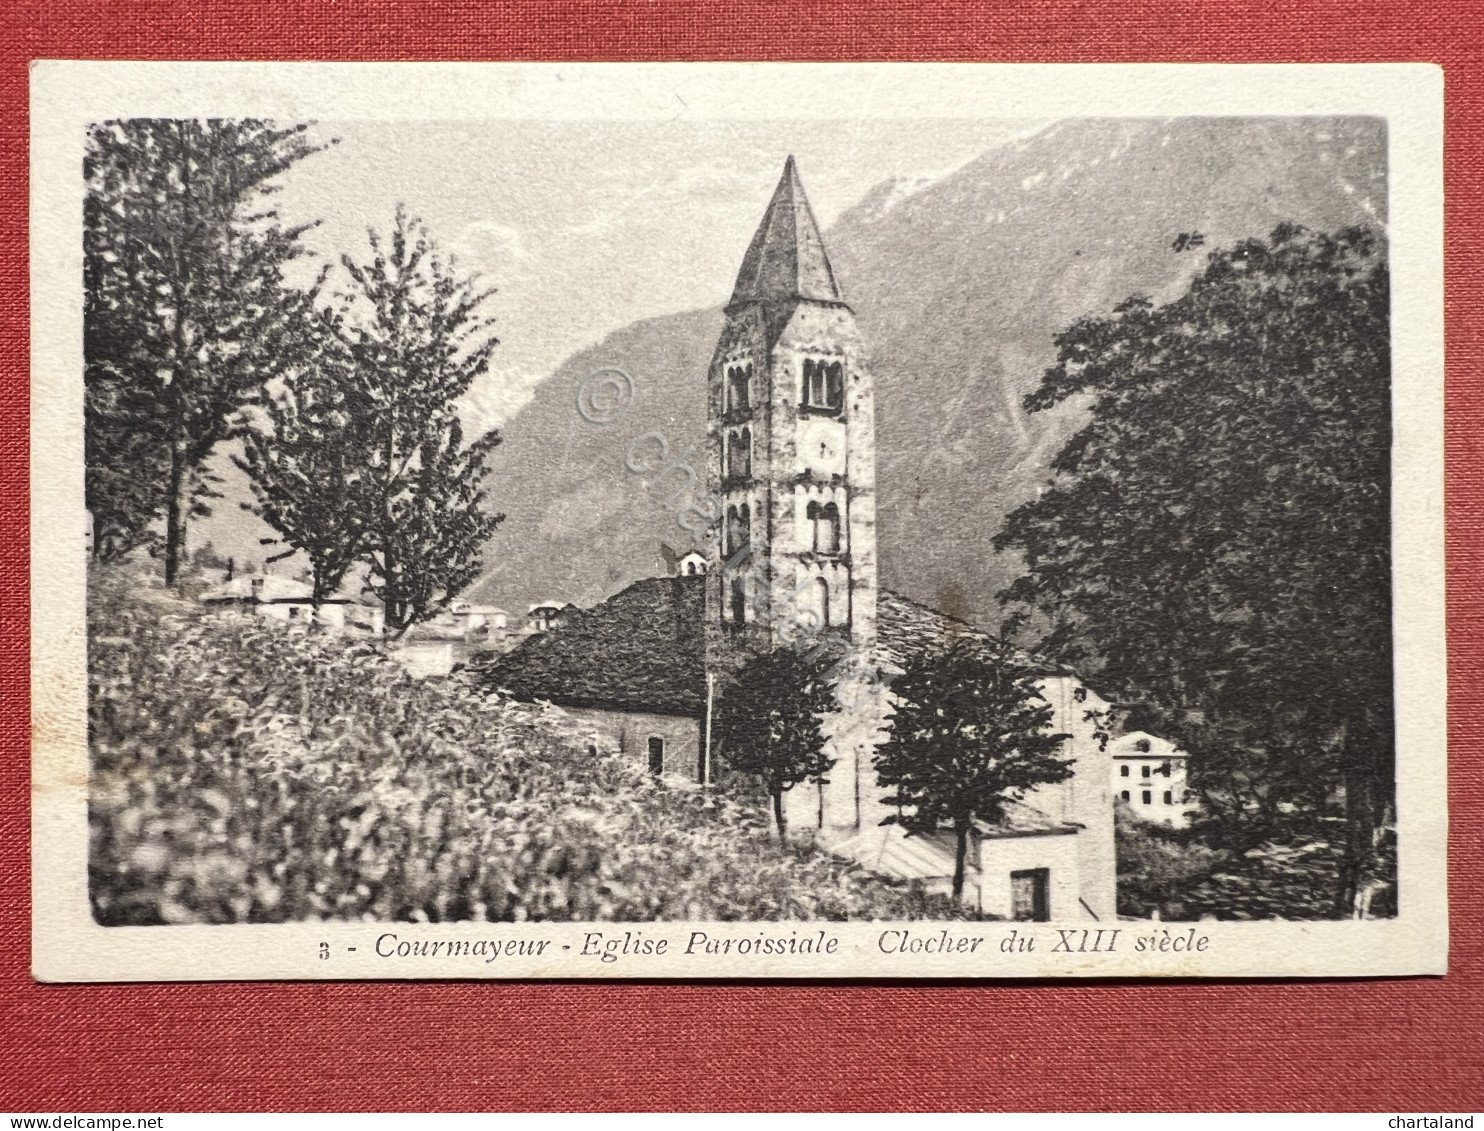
(1214, 548)
(768, 723)
(306, 453)
(971, 731)
(183, 263)
(418, 335)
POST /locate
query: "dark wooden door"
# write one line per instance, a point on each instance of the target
(1029, 895)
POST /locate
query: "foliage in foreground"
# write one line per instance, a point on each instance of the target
(1173, 873)
(244, 772)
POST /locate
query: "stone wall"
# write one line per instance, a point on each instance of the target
(632, 730)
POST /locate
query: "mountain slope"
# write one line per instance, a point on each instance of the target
(960, 286)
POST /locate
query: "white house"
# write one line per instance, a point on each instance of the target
(466, 621)
(475, 617)
(449, 638)
(284, 599)
(1149, 774)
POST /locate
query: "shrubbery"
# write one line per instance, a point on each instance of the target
(1179, 875)
(247, 772)
(1157, 866)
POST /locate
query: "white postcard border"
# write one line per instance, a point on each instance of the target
(69, 946)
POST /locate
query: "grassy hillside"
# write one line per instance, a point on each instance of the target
(245, 772)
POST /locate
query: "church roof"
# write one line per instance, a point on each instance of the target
(908, 631)
(643, 649)
(786, 261)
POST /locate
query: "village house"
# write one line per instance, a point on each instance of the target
(1149, 775)
(471, 623)
(452, 636)
(633, 666)
(791, 456)
(284, 599)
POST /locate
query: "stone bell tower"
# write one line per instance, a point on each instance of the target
(792, 456)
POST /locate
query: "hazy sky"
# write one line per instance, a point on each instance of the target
(586, 227)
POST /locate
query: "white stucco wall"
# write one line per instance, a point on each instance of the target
(425, 659)
(1059, 855)
(1084, 799)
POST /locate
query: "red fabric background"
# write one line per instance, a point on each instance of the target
(1387, 1045)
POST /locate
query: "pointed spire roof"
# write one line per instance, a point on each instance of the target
(786, 260)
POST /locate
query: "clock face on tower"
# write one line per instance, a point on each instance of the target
(822, 447)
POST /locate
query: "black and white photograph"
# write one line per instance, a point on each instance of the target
(988, 542)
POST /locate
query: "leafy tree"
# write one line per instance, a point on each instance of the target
(768, 723)
(307, 456)
(970, 733)
(183, 293)
(127, 465)
(418, 336)
(1214, 548)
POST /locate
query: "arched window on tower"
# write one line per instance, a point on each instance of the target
(824, 384)
(824, 518)
(739, 454)
(739, 602)
(813, 383)
(738, 529)
(822, 601)
(827, 533)
(834, 385)
(738, 398)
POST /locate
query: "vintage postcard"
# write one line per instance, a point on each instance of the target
(737, 521)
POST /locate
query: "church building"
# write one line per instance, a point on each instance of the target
(792, 459)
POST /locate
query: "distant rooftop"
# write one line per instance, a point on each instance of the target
(269, 589)
(1142, 744)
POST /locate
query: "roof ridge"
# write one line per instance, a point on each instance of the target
(937, 612)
